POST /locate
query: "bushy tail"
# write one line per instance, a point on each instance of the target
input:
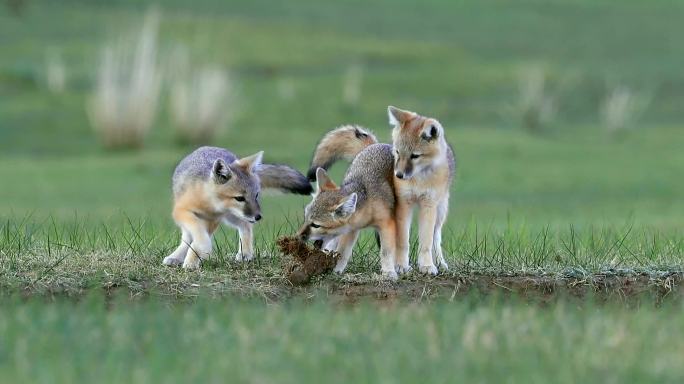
(344, 143)
(284, 178)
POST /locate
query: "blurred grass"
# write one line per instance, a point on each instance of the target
(574, 203)
(472, 340)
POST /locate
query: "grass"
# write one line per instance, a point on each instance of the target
(471, 340)
(565, 245)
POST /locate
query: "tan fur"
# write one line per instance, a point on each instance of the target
(365, 199)
(424, 167)
(342, 143)
(201, 203)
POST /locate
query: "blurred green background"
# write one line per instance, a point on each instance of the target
(565, 115)
(300, 68)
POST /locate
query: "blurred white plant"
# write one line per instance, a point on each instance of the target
(55, 72)
(351, 88)
(201, 101)
(620, 107)
(286, 89)
(124, 103)
(536, 107)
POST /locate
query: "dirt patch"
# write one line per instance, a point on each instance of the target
(303, 262)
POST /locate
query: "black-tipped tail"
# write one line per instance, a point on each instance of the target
(283, 178)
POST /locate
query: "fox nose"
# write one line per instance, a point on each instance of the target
(257, 217)
(400, 174)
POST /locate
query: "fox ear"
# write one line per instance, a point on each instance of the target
(251, 163)
(431, 131)
(398, 116)
(347, 207)
(323, 181)
(220, 172)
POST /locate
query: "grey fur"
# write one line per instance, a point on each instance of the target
(284, 178)
(197, 166)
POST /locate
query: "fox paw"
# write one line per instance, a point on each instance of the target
(390, 275)
(191, 265)
(339, 270)
(401, 269)
(428, 270)
(443, 266)
(172, 261)
(243, 256)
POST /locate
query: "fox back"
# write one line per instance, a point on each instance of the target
(366, 190)
(215, 181)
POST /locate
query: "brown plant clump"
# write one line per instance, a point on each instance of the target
(304, 261)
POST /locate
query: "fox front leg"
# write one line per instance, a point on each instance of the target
(246, 251)
(177, 257)
(426, 231)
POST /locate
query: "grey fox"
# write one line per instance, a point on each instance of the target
(211, 185)
(365, 199)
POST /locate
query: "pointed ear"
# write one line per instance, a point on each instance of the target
(347, 207)
(398, 116)
(251, 163)
(220, 172)
(431, 131)
(323, 181)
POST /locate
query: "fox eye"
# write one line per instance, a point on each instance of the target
(313, 225)
(360, 135)
(239, 198)
(415, 155)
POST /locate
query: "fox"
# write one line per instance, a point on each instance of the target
(211, 186)
(342, 143)
(364, 199)
(424, 168)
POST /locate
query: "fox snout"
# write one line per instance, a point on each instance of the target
(304, 232)
(403, 169)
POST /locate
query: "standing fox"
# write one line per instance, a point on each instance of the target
(424, 167)
(211, 185)
(365, 199)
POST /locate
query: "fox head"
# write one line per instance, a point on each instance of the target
(328, 214)
(236, 187)
(418, 142)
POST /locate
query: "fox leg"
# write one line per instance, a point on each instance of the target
(246, 251)
(388, 248)
(442, 210)
(426, 230)
(404, 211)
(200, 230)
(177, 257)
(345, 245)
(331, 245)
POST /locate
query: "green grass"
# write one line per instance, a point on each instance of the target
(572, 211)
(471, 340)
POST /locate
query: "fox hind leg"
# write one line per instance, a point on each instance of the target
(388, 248)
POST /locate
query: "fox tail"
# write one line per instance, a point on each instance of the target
(283, 178)
(342, 143)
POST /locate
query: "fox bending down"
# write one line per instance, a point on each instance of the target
(365, 199)
(423, 168)
(211, 185)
